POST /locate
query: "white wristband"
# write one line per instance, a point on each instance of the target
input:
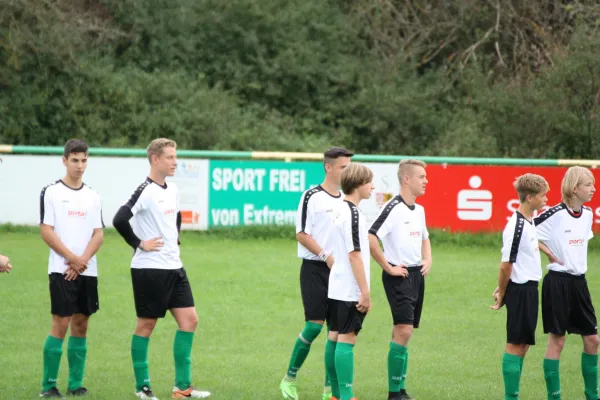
(324, 255)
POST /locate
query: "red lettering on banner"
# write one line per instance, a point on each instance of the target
(482, 198)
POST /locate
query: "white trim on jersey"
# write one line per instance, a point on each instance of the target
(402, 230)
(566, 234)
(520, 247)
(315, 218)
(74, 214)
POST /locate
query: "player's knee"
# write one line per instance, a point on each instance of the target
(60, 325)
(79, 327)
(557, 342)
(402, 333)
(192, 321)
(311, 330)
(591, 343)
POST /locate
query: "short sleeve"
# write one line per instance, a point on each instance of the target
(424, 232)
(98, 220)
(351, 231)
(511, 239)
(304, 216)
(46, 208)
(543, 226)
(382, 225)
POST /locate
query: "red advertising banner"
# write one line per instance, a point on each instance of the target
(482, 198)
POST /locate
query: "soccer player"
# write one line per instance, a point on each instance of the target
(5, 264)
(564, 231)
(314, 222)
(71, 225)
(159, 280)
(406, 261)
(349, 281)
(520, 272)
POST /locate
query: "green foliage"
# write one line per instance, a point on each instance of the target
(463, 78)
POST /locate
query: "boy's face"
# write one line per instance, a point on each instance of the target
(538, 201)
(76, 164)
(366, 190)
(166, 163)
(585, 190)
(417, 180)
(336, 167)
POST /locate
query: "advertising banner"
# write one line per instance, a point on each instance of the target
(470, 198)
(22, 178)
(259, 192)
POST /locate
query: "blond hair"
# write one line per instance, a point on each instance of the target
(157, 147)
(406, 166)
(530, 184)
(573, 178)
(355, 175)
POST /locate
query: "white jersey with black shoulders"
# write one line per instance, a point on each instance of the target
(155, 210)
(315, 218)
(73, 214)
(349, 234)
(402, 230)
(566, 234)
(520, 247)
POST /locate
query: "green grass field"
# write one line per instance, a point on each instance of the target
(248, 300)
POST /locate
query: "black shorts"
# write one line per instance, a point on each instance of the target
(522, 303)
(79, 296)
(405, 296)
(157, 290)
(344, 317)
(567, 305)
(314, 281)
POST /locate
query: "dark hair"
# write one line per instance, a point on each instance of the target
(334, 152)
(75, 146)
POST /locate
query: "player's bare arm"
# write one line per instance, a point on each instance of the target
(426, 257)
(358, 270)
(379, 257)
(307, 241)
(503, 277)
(551, 257)
(77, 263)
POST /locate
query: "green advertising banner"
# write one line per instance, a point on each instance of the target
(258, 192)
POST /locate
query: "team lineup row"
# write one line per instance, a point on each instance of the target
(335, 246)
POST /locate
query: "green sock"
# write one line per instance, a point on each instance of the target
(344, 368)
(139, 355)
(182, 351)
(511, 367)
(521, 366)
(404, 372)
(327, 377)
(52, 354)
(396, 366)
(76, 354)
(552, 376)
(589, 369)
(330, 347)
(302, 347)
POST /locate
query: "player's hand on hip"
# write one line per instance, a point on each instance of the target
(364, 303)
(70, 274)
(330, 261)
(399, 270)
(553, 259)
(152, 245)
